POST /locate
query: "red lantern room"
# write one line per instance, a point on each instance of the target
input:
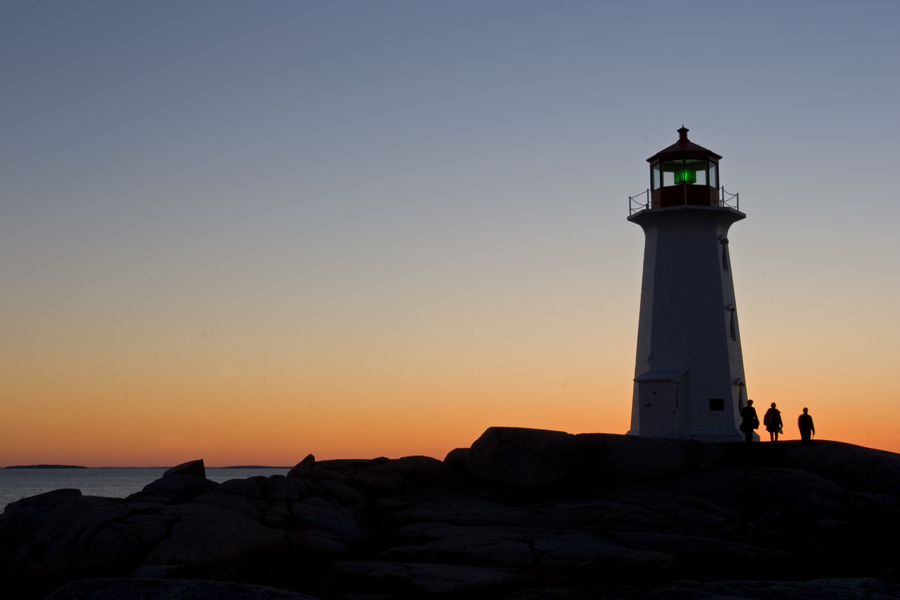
(684, 174)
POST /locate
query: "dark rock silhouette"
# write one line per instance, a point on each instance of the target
(456, 459)
(45, 500)
(23, 519)
(304, 466)
(853, 466)
(423, 577)
(142, 589)
(170, 489)
(617, 458)
(526, 457)
(578, 516)
(821, 589)
(540, 458)
(192, 468)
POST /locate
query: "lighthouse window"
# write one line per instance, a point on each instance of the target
(713, 174)
(717, 404)
(669, 171)
(684, 172)
(696, 171)
(656, 179)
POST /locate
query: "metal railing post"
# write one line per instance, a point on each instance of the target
(645, 206)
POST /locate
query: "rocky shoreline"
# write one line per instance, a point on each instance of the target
(522, 514)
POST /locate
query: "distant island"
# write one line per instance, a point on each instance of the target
(46, 467)
(252, 467)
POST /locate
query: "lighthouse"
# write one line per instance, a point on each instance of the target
(689, 370)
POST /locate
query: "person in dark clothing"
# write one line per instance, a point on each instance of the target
(749, 421)
(773, 423)
(805, 423)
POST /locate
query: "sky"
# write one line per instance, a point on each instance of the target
(249, 231)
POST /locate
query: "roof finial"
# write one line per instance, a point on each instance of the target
(682, 133)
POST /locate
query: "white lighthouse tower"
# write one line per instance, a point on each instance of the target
(689, 372)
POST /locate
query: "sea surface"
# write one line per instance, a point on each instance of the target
(117, 483)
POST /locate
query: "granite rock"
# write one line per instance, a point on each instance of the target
(47, 500)
(418, 470)
(202, 533)
(820, 589)
(528, 508)
(551, 594)
(855, 467)
(616, 458)
(193, 468)
(525, 457)
(171, 489)
(488, 545)
(247, 488)
(456, 459)
(469, 511)
(302, 467)
(324, 516)
(578, 548)
(23, 519)
(172, 589)
(681, 544)
(291, 489)
(427, 578)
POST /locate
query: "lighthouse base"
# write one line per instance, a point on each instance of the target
(737, 436)
(713, 438)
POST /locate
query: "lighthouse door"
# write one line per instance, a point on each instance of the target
(659, 407)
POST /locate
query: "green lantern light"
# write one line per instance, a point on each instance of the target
(686, 176)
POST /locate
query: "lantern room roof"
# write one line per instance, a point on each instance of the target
(683, 148)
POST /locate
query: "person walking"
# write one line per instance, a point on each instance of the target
(749, 421)
(807, 429)
(772, 421)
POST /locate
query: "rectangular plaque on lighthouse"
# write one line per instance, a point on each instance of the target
(689, 370)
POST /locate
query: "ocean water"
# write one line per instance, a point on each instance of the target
(117, 483)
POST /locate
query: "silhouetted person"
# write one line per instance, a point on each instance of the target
(749, 421)
(805, 423)
(773, 423)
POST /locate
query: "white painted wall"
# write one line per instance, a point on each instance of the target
(685, 326)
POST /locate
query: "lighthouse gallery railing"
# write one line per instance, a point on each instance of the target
(641, 201)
